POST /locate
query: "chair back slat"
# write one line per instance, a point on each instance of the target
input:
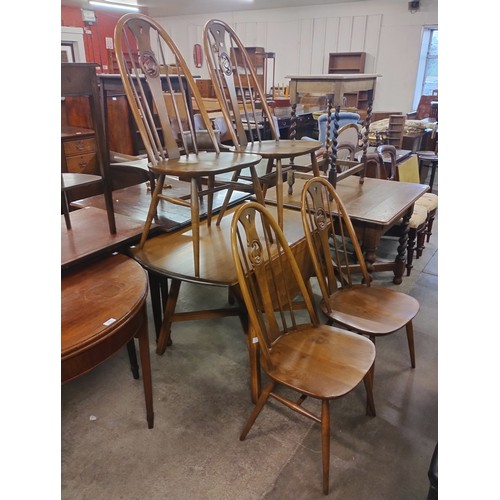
(236, 85)
(270, 279)
(333, 244)
(161, 87)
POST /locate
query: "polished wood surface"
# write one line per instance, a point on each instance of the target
(89, 237)
(103, 307)
(374, 207)
(348, 299)
(170, 256)
(315, 360)
(134, 201)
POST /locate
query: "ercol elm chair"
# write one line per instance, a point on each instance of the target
(166, 123)
(298, 352)
(337, 258)
(249, 119)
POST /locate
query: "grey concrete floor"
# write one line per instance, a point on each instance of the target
(201, 401)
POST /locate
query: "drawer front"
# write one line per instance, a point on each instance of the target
(79, 147)
(83, 164)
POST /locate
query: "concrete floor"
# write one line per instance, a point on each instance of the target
(201, 401)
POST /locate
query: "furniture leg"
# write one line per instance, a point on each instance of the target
(155, 286)
(132, 356)
(195, 225)
(433, 173)
(146, 367)
(410, 249)
(400, 261)
(411, 344)
(164, 337)
(65, 207)
(279, 192)
(325, 443)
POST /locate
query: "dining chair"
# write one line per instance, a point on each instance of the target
(338, 260)
(249, 119)
(166, 124)
(408, 171)
(313, 359)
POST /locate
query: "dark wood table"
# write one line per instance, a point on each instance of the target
(103, 307)
(374, 207)
(89, 237)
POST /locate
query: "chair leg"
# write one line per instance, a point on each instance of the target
(368, 382)
(195, 224)
(430, 222)
(264, 396)
(325, 443)
(421, 241)
(164, 336)
(411, 344)
(410, 249)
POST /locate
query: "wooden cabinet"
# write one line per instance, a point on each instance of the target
(79, 151)
(206, 88)
(122, 132)
(83, 149)
(346, 62)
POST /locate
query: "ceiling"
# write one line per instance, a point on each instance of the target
(165, 8)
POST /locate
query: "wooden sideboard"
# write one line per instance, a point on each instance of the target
(121, 130)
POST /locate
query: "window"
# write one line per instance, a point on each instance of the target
(427, 77)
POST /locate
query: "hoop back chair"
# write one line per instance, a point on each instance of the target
(315, 360)
(337, 259)
(165, 120)
(249, 119)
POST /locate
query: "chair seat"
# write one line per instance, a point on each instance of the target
(418, 217)
(204, 163)
(282, 148)
(306, 360)
(429, 201)
(373, 310)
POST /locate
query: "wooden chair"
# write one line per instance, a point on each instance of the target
(315, 360)
(377, 168)
(250, 121)
(337, 257)
(408, 171)
(166, 123)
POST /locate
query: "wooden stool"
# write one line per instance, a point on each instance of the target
(103, 307)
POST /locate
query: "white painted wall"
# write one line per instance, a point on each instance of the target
(302, 38)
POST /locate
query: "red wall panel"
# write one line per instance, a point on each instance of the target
(94, 34)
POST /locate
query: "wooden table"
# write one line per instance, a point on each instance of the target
(374, 207)
(89, 238)
(103, 307)
(170, 256)
(337, 84)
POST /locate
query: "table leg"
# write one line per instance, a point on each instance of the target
(134, 367)
(146, 366)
